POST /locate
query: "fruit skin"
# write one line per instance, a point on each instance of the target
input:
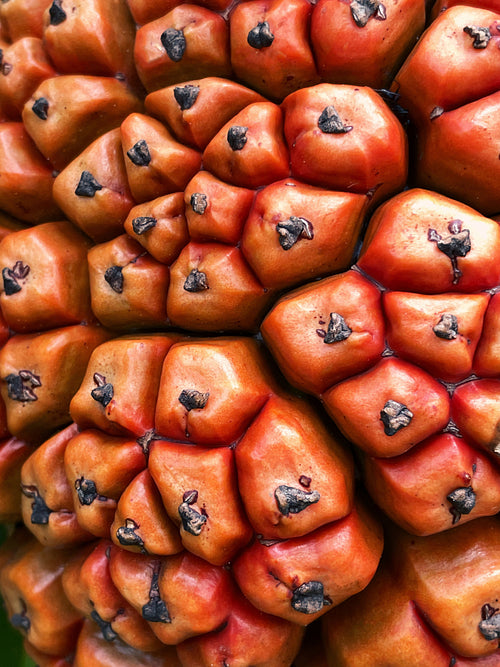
(47, 503)
(282, 66)
(368, 55)
(471, 129)
(42, 297)
(282, 578)
(186, 434)
(33, 594)
(429, 602)
(370, 158)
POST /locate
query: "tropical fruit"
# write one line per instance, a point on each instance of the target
(249, 332)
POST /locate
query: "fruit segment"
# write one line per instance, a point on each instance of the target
(326, 331)
(141, 523)
(47, 502)
(88, 584)
(156, 164)
(93, 189)
(301, 578)
(159, 226)
(439, 483)
(31, 581)
(284, 494)
(36, 293)
(79, 109)
(128, 287)
(188, 42)
(345, 138)
(211, 390)
(269, 44)
(118, 372)
(376, 37)
(105, 41)
(179, 596)
(440, 333)
(390, 408)
(40, 374)
(296, 232)
(199, 489)
(99, 468)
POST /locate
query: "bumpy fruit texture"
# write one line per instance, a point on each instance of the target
(392, 345)
(207, 479)
(443, 607)
(185, 507)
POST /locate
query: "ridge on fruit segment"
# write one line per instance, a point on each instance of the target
(250, 332)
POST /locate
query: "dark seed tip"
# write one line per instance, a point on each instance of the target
(40, 108)
(174, 43)
(56, 13)
(186, 96)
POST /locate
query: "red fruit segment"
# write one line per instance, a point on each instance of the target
(36, 385)
(35, 602)
(13, 454)
(368, 628)
(141, 523)
(93, 189)
(434, 486)
(159, 226)
(213, 289)
(24, 66)
(187, 43)
(118, 372)
(128, 287)
(200, 492)
(181, 596)
(99, 468)
(44, 660)
(345, 138)
(47, 503)
(423, 242)
(390, 408)
(454, 70)
(26, 178)
(35, 263)
(270, 48)
(88, 584)
(196, 110)
(324, 332)
(156, 164)
(455, 606)
(296, 232)
(94, 649)
(470, 129)
(352, 49)
(22, 18)
(475, 408)
(105, 41)
(248, 637)
(286, 495)
(211, 390)
(216, 211)
(438, 332)
(250, 151)
(487, 358)
(79, 109)
(303, 578)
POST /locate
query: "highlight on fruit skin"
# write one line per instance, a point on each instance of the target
(249, 332)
